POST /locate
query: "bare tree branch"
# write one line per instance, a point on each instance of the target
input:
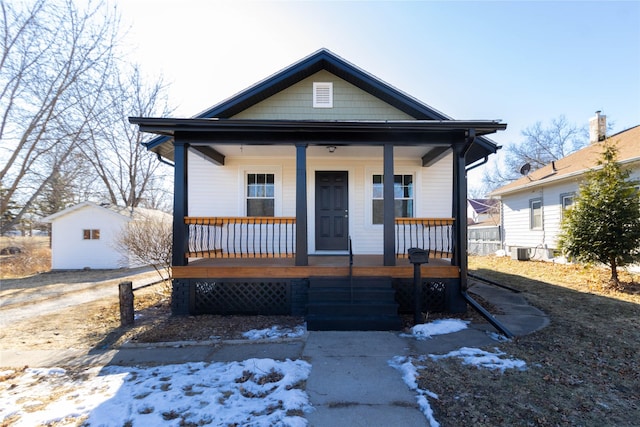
(55, 62)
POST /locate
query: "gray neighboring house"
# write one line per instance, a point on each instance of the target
(532, 206)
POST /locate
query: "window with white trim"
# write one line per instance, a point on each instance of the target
(322, 95)
(260, 194)
(403, 191)
(535, 220)
(567, 201)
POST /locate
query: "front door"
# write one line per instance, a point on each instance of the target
(332, 211)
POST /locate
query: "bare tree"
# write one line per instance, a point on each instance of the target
(55, 62)
(131, 176)
(148, 241)
(541, 145)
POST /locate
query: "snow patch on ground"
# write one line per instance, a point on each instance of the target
(484, 359)
(410, 377)
(275, 332)
(408, 366)
(437, 327)
(256, 392)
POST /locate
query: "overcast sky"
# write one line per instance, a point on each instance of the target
(521, 62)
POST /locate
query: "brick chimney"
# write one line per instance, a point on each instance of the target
(597, 128)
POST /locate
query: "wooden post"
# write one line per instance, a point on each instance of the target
(125, 290)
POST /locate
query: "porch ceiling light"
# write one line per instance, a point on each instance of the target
(331, 148)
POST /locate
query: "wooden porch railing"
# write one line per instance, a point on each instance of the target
(274, 237)
(241, 237)
(435, 234)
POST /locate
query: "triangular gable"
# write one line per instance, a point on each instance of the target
(123, 212)
(78, 207)
(323, 59)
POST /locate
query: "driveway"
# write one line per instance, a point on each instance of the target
(46, 293)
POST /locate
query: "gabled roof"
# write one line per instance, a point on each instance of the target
(126, 213)
(578, 163)
(322, 59)
(483, 205)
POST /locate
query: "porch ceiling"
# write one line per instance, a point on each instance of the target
(426, 134)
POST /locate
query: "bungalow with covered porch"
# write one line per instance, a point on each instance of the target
(303, 194)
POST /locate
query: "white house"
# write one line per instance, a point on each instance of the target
(532, 206)
(84, 235)
(320, 170)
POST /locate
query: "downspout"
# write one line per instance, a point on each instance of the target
(461, 213)
(161, 160)
(464, 269)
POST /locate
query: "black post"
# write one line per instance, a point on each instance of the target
(454, 298)
(302, 257)
(125, 293)
(417, 257)
(180, 305)
(389, 217)
(417, 295)
(180, 204)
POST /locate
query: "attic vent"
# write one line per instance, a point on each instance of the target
(322, 95)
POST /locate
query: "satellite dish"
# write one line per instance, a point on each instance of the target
(525, 169)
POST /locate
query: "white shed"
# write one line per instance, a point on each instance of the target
(84, 235)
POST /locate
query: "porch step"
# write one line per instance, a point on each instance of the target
(343, 294)
(334, 305)
(358, 282)
(361, 308)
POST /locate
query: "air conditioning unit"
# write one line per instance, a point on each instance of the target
(520, 254)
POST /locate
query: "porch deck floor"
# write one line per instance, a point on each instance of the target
(319, 265)
(314, 261)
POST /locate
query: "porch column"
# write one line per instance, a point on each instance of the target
(454, 301)
(302, 257)
(389, 210)
(180, 203)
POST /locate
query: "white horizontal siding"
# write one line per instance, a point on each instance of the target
(517, 212)
(219, 190)
(70, 251)
(516, 221)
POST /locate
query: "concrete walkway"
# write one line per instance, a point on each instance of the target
(351, 382)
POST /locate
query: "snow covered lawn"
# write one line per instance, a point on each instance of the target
(256, 392)
(409, 366)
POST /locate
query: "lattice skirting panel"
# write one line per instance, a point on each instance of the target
(233, 296)
(433, 295)
(290, 296)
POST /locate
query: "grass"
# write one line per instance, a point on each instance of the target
(34, 258)
(583, 369)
